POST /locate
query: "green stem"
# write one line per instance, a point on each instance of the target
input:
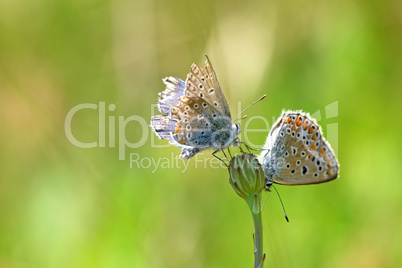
(257, 239)
(255, 208)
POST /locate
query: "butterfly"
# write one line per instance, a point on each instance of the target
(296, 153)
(195, 114)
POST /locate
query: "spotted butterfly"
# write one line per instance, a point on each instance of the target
(195, 114)
(296, 153)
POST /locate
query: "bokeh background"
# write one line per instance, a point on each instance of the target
(65, 206)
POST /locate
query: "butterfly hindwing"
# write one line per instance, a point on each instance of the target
(298, 153)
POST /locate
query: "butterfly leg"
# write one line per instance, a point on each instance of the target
(248, 147)
(251, 148)
(230, 153)
(225, 155)
(238, 143)
(214, 154)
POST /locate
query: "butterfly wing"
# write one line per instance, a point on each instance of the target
(298, 153)
(204, 114)
(164, 125)
(196, 113)
(203, 83)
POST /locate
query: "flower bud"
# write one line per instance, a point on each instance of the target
(247, 179)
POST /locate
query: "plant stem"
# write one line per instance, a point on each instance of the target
(255, 208)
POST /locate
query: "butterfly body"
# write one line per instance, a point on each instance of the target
(195, 114)
(296, 153)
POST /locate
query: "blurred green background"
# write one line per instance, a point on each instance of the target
(65, 206)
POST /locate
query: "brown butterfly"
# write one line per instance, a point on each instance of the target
(296, 153)
(195, 114)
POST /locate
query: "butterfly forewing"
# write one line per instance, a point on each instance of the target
(204, 83)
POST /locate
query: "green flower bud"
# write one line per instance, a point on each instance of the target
(247, 179)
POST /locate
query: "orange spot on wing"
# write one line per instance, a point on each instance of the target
(286, 120)
(321, 151)
(298, 122)
(312, 147)
(329, 173)
(177, 128)
(326, 158)
(314, 137)
(305, 125)
(310, 130)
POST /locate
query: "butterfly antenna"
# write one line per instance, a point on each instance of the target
(283, 207)
(266, 198)
(244, 117)
(260, 99)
